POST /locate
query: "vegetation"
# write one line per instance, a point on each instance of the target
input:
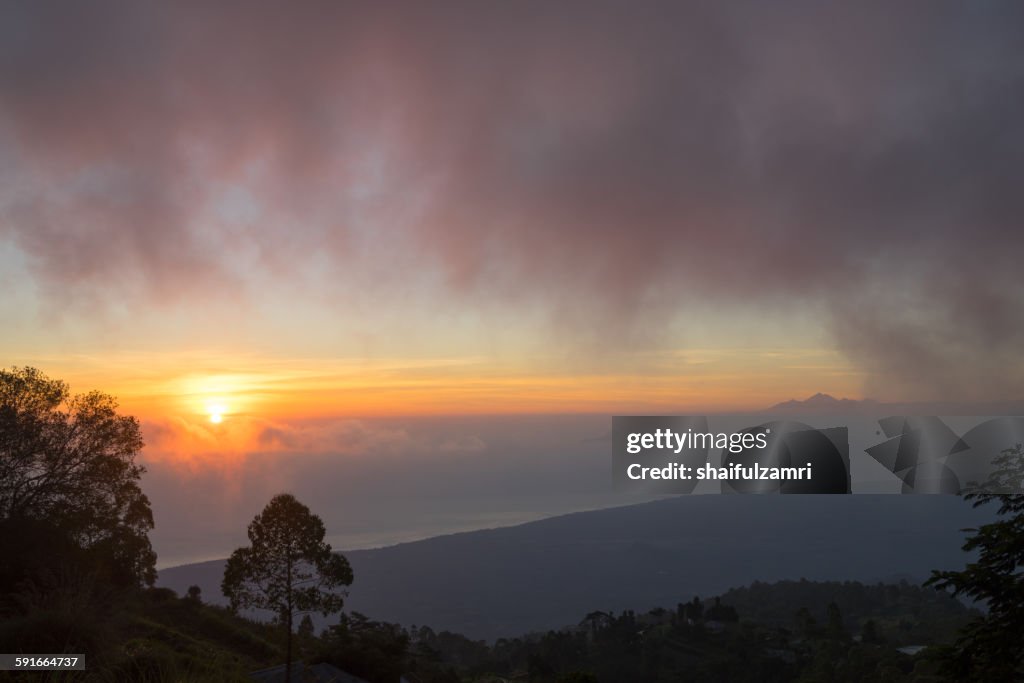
(288, 569)
(991, 648)
(152, 635)
(68, 479)
(902, 613)
(147, 635)
(75, 556)
(830, 631)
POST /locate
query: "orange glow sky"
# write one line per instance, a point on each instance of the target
(372, 211)
(185, 389)
(193, 385)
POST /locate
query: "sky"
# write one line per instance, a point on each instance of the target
(322, 229)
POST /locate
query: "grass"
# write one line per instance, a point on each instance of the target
(153, 637)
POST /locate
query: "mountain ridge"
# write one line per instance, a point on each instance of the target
(540, 575)
(823, 403)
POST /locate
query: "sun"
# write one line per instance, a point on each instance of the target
(216, 412)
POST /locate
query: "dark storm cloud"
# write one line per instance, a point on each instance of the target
(612, 163)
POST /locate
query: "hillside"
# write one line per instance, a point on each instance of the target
(149, 635)
(543, 575)
(906, 614)
(796, 630)
(758, 633)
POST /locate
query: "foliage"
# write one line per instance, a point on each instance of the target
(367, 648)
(380, 652)
(156, 636)
(69, 461)
(288, 568)
(869, 633)
(306, 629)
(904, 613)
(992, 646)
(148, 635)
(73, 521)
(719, 641)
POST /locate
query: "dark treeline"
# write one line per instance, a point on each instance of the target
(151, 634)
(827, 631)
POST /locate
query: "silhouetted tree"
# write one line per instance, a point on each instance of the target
(722, 612)
(869, 633)
(835, 621)
(69, 462)
(306, 634)
(694, 609)
(806, 623)
(992, 647)
(306, 627)
(597, 621)
(373, 650)
(194, 594)
(288, 569)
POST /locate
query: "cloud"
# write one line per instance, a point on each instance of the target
(186, 442)
(349, 437)
(610, 166)
(362, 438)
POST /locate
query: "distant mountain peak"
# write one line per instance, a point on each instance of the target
(820, 401)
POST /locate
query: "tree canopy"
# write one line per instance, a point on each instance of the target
(68, 462)
(992, 647)
(288, 568)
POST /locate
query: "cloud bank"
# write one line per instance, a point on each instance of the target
(605, 165)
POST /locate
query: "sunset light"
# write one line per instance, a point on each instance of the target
(216, 411)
